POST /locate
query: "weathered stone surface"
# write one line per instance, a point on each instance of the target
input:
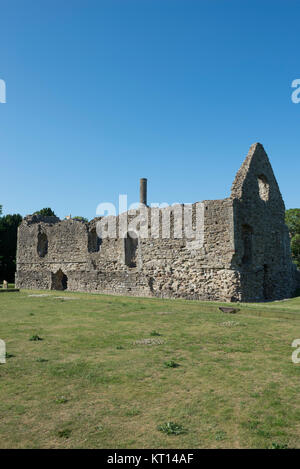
(241, 251)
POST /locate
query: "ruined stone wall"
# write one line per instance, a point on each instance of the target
(267, 271)
(197, 267)
(236, 249)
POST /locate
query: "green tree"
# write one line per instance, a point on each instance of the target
(292, 219)
(8, 245)
(45, 212)
(295, 247)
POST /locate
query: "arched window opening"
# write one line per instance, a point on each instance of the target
(263, 187)
(94, 242)
(42, 245)
(247, 236)
(130, 247)
(59, 281)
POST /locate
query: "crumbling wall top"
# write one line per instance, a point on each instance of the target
(31, 219)
(255, 179)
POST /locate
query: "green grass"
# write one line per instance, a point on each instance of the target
(94, 382)
(10, 285)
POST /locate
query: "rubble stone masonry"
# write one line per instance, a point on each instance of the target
(240, 250)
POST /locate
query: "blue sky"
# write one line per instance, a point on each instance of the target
(101, 93)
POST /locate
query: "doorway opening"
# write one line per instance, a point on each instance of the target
(59, 281)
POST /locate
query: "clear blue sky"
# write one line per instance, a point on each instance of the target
(101, 93)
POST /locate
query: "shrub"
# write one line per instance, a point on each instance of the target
(279, 446)
(171, 364)
(220, 435)
(171, 428)
(61, 400)
(35, 337)
(64, 433)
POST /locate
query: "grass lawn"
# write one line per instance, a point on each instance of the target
(94, 382)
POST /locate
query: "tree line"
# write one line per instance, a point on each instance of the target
(292, 219)
(8, 242)
(9, 228)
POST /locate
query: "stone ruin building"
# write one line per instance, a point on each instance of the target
(241, 251)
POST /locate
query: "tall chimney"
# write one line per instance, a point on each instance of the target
(143, 191)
